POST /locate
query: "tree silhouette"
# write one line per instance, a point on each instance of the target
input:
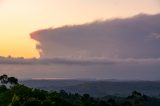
(4, 79)
(13, 80)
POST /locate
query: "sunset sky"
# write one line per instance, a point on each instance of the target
(19, 18)
(97, 39)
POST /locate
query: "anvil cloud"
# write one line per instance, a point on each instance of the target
(134, 37)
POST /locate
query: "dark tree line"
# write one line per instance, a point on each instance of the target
(21, 95)
(4, 79)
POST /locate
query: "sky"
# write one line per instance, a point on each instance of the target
(97, 39)
(21, 17)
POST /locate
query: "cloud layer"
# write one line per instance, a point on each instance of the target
(113, 49)
(77, 61)
(134, 37)
(94, 68)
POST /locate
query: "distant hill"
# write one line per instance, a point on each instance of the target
(97, 88)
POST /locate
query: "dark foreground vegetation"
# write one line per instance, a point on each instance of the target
(14, 94)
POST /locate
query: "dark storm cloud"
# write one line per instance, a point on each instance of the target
(134, 37)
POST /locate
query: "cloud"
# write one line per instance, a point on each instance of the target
(94, 68)
(101, 68)
(77, 61)
(155, 35)
(112, 49)
(134, 37)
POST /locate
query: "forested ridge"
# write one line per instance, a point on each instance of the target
(14, 94)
